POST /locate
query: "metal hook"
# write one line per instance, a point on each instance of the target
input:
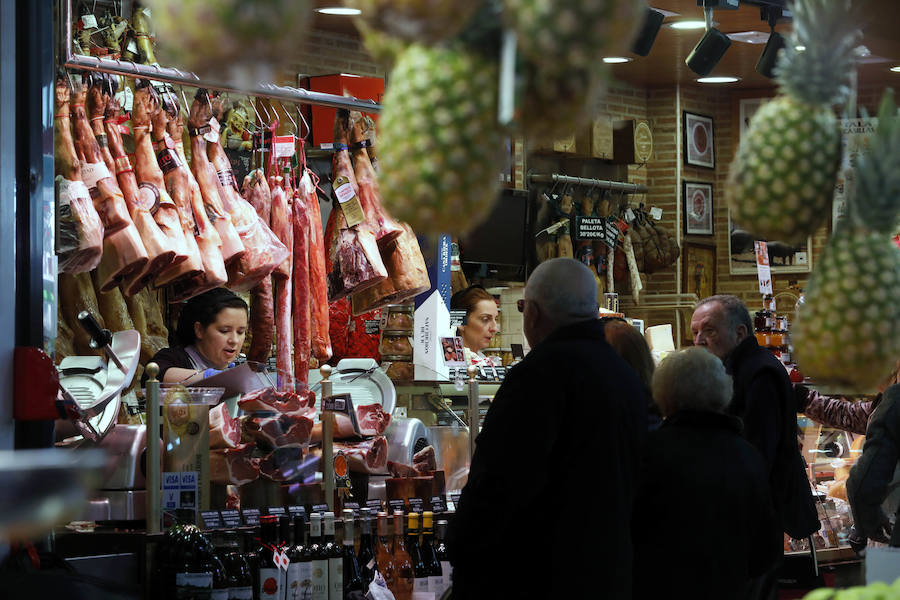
(187, 107)
(293, 122)
(253, 106)
(303, 119)
(268, 116)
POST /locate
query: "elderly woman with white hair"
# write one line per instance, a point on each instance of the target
(703, 524)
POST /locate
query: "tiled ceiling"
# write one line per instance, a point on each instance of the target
(665, 65)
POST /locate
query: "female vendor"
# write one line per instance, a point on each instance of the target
(210, 334)
(481, 324)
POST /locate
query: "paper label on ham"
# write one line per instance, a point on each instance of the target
(126, 96)
(212, 136)
(89, 21)
(226, 178)
(168, 160)
(91, 173)
(350, 205)
(69, 190)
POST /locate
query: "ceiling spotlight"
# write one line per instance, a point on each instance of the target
(720, 79)
(339, 11)
(765, 66)
(800, 48)
(647, 35)
(896, 69)
(709, 50)
(688, 25)
(616, 60)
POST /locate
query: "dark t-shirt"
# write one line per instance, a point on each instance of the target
(168, 358)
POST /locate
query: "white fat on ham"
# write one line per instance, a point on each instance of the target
(366, 456)
(224, 430)
(372, 419)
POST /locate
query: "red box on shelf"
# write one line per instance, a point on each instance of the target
(364, 88)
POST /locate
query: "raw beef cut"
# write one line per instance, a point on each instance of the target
(79, 233)
(367, 456)
(283, 227)
(280, 430)
(224, 430)
(123, 251)
(263, 251)
(140, 201)
(208, 241)
(301, 306)
(318, 283)
(233, 466)
(272, 400)
(199, 129)
(282, 464)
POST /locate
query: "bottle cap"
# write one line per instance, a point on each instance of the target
(348, 515)
(427, 519)
(413, 520)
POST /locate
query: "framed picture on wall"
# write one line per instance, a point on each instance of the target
(698, 264)
(748, 108)
(699, 148)
(697, 198)
(783, 257)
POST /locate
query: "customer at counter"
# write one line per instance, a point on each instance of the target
(210, 333)
(631, 345)
(571, 415)
(700, 481)
(481, 324)
(764, 401)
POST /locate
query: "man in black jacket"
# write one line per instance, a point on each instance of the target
(764, 401)
(568, 420)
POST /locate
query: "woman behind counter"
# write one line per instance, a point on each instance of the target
(481, 326)
(210, 334)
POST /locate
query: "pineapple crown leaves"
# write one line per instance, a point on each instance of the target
(819, 73)
(875, 204)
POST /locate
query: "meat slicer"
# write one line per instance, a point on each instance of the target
(91, 396)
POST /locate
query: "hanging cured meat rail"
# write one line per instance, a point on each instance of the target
(176, 76)
(616, 186)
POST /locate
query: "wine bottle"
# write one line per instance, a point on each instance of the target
(319, 559)
(270, 579)
(193, 571)
(366, 557)
(384, 556)
(441, 551)
(335, 561)
(240, 579)
(299, 573)
(429, 556)
(221, 588)
(252, 558)
(420, 575)
(402, 562)
(352, 579)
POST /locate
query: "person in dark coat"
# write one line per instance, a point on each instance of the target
(764, 401)
(556, 463)
(703, 523)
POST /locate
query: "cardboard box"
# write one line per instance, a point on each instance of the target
(602, 137)
(322, 118)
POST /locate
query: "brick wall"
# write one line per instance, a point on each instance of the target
(326, 53)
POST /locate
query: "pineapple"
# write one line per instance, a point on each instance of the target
(781, 181)
(847, 332)
(426, 21)
(441, 148)
(555, 103)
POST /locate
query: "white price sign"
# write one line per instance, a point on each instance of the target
(763, 271)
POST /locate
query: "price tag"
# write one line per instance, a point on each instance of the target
(350, 205)
(320, 508)
(457, 318)
(284, 146)
(297, 510)
(656, 213)
(501, 373)
(763, 270)
(374, 505)
(397, 505)
(281, 560)
(251, 517)
(416, 505)
(89, 21)
(131, 46)
(231, 518)
(454, 498)
(629, 215)
(372, 326)
(437, 504)
(277, 511)
(354, 506)
(211, 519)
(326, 146)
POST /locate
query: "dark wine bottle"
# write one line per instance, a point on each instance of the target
(299, 574)
(420, 575)
(319, 559)
(271, 578)
(335, 560)
(429, 556)
(193, 569)
(366, 556)
(402, 562)
(353, 581)
(440, 550)
(240, 578)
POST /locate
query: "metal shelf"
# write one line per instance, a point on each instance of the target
(616, 186)
(179, 77)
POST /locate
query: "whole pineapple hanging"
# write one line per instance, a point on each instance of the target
(441, 148)
(847, 332)
(781, 181)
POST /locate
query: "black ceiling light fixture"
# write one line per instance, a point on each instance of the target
(647, 35)
(709, 50)
(765, 66)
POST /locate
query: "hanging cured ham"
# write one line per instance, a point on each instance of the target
(262, 309)
(263, 251)
(123, 251)
(300, 284)
(150, 176)
(214, 203)
(408, 275)
(179, 189)
(283, 227)
(79, 234)
(320, 338)
(140, 201)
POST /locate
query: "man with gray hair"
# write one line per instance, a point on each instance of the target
(764, 401)
(572, 413)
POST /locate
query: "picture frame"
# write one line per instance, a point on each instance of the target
(698, 140)
(698, 264)
(697, 200)
(783, 257)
